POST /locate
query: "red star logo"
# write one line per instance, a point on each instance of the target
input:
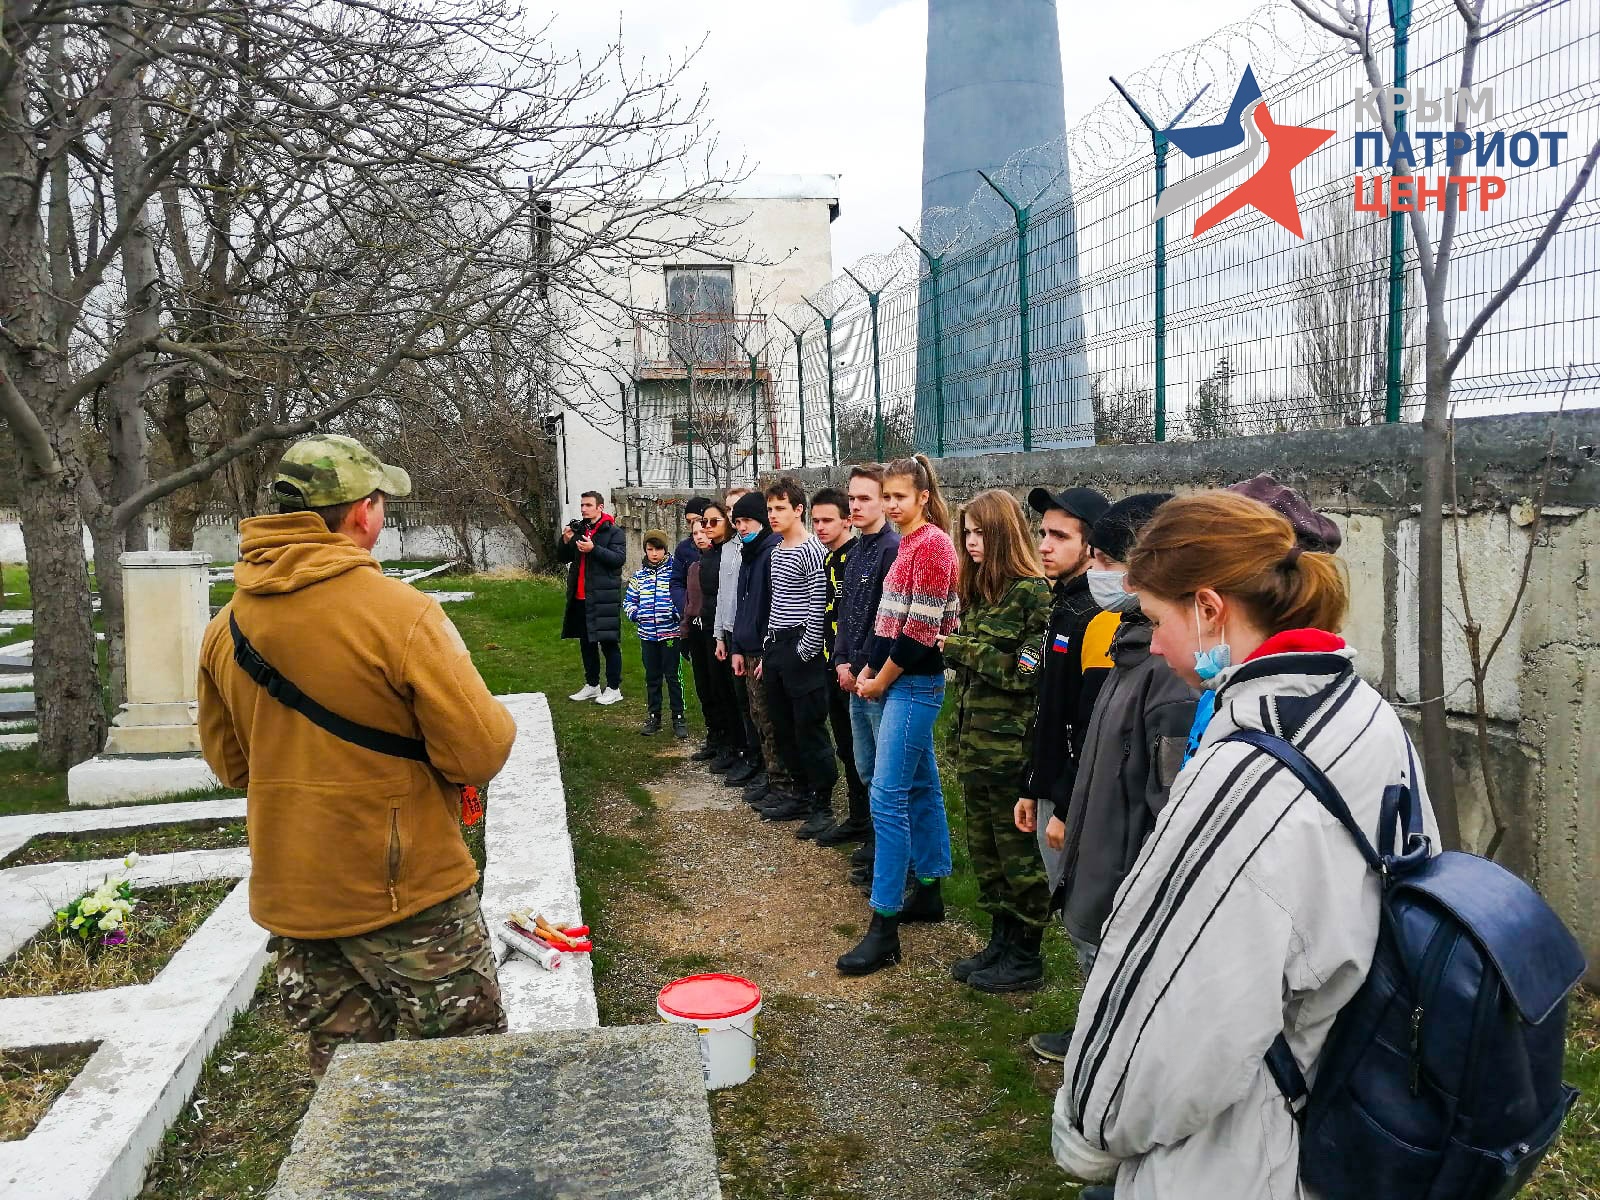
(1270, 190)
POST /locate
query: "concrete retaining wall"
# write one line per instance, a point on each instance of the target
(1542, 688)
(492, 547)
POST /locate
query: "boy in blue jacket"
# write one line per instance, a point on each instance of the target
(649, 605)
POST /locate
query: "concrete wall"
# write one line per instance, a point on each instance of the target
(1543, 689)
(493, 546)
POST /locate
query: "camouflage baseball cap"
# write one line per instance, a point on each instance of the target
(331, 469)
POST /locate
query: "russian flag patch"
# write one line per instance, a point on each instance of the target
(1060, 644)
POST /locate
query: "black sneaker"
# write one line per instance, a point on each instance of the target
(844, 832)
(726, 760)
(740, 775)
(652, 725)
(863, 854)
(706, 753)
(756, 788)
(1052, 1047)
(818, 823)
(680, 727)
(789, 808)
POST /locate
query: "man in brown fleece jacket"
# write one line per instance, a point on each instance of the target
(358, 865)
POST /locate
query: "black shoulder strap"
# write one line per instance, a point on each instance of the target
(290, 696)
(1280, 1061)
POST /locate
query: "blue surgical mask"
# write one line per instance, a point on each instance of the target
(1208, 664)
(747, 538)
(1105, 588)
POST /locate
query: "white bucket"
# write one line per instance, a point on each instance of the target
(723, 1008)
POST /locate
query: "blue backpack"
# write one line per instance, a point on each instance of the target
(1441, 1078)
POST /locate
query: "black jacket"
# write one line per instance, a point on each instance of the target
(601, 609)
(1067, 692)
(1131, 754)
(684, 557)
(710, 585)
(755, 588)
(865, 571)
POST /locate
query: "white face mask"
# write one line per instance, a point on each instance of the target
(1105, 587)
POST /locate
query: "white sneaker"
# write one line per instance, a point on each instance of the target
(610, 696)
(588, 692)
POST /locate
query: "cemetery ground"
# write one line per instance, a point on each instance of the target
(902, 1084)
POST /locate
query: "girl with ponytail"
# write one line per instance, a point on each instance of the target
(905, 672)
(1250, 912)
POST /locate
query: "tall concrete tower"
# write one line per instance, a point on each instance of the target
(993, 96)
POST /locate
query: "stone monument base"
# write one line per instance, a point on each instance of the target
(106, 781)
(585, 1114)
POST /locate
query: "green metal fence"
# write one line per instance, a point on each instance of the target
(1057, 325)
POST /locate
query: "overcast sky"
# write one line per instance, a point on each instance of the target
(836, 85)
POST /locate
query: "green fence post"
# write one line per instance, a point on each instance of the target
(1160, 145)
(1400, 19)
(827, 349)
(755, 426)
(622, 399)
(935, 270)
(800, 380)
(688, 424)
(1022, 213)
(877, 372)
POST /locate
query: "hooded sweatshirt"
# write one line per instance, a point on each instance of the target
(344, 840)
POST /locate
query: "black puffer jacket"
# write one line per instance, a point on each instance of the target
(599, 615)
(710, 586)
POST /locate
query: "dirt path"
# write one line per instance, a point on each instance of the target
(842, 1103)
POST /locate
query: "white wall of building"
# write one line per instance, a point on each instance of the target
(777, 237)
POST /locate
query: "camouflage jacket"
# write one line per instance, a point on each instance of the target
(997, 658)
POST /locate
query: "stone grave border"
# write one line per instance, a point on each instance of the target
(154, 1039)
(530, 865)
(16, 832)
(96, 1141)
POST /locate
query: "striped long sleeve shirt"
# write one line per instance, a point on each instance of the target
(800, 593)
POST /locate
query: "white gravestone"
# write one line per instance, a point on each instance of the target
(165, 609)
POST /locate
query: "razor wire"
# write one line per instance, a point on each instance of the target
(1264, 331)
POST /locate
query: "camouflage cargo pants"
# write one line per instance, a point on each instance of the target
(1011, 875)
(778, 777)
(432, 973)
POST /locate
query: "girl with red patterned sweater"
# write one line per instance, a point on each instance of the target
(905, 672)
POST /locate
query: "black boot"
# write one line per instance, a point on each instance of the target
(820, 820)
(652, 725)
(680, 727)
(999, 934)
(726, 760)
(741, 774)
(879, 949)
(706, 752)
(1019, 969)
(1052, 1047)
(924, 904)
(861, 878)
(863, 854)
(844, 832)
(756, 787)
(790, 807)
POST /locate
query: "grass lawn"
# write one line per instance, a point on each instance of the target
(255, 1087)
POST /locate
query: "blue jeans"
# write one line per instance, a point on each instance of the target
(907, 806)
(865, 716)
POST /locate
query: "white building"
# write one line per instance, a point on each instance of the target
(703, 317)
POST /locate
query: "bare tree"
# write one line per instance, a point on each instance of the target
(1443, 353)
(241, 221)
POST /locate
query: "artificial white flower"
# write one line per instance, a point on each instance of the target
(133, 857)
(109, 922)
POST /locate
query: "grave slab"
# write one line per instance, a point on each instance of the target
(530, 865)
(153, 1039)
(18, 681)
(104, 781)
(17, 831)
(18, 741)
(16, 704)
(596, 1114)
(18, 656)
(452, 597)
